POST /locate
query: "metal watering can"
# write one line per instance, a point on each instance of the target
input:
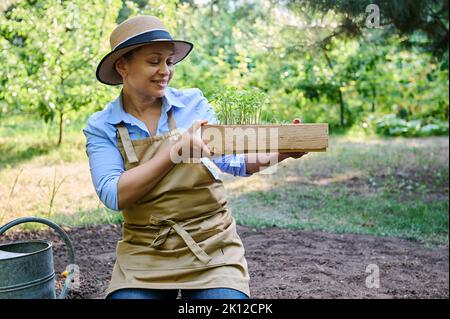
(26, 267)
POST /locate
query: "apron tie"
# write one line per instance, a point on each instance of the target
(190, 242)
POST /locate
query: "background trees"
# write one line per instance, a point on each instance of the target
(316, 60)
(52, 47)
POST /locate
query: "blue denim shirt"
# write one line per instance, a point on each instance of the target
(106, 163)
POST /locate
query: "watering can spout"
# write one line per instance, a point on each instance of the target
(26, 268)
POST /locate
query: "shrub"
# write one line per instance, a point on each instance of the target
(391, 125)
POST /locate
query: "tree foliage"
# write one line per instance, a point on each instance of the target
(314, 60)
(407, 17)
(54, 46)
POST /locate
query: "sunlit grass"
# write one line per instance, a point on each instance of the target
(391, 187)
(337, 209)
(34, 141)
(99, 216)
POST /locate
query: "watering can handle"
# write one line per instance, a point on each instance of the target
(60, 231)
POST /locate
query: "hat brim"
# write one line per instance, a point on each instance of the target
(107, 74)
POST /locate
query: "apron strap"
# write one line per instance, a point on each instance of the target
(190, 242)
(127, 145)
(126, 140)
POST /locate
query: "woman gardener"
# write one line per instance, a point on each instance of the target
(178, 234)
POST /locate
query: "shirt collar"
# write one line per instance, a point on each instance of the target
(172, 99)
(118, 114)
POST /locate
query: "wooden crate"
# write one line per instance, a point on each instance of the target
(229, 139)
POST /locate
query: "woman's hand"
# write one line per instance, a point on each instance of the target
(190, 145)
(285, 155)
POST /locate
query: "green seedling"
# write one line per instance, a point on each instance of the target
(239, 107)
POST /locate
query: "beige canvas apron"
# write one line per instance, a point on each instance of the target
(180, 235)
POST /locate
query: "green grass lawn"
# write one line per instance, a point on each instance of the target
(390, 187)
(362, 184)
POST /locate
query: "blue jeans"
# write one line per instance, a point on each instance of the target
(211, 293)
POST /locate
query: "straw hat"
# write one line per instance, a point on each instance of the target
(133, 33)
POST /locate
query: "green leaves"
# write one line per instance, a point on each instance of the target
(53, 48)
(391, 125)
(235, 106)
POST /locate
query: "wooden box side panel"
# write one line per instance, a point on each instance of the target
(228, 139)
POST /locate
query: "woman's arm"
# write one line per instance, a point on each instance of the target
(117, 188)
(137, 182)
(255, 162)
(105, 162)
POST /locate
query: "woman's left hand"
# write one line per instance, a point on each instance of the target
(285, 155)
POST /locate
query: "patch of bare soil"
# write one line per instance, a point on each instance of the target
(285, 263)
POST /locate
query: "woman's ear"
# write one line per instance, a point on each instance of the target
(120, 66)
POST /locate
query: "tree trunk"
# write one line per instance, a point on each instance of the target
(374, 96)
(211, 26)
(341, 104)
(341, 97)
(61, 126)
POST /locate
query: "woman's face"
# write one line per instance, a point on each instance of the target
(148, 70)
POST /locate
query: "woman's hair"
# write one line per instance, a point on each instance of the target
(129, 55)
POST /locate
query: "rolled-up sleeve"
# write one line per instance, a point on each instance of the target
(231, 164)
(105, 161)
